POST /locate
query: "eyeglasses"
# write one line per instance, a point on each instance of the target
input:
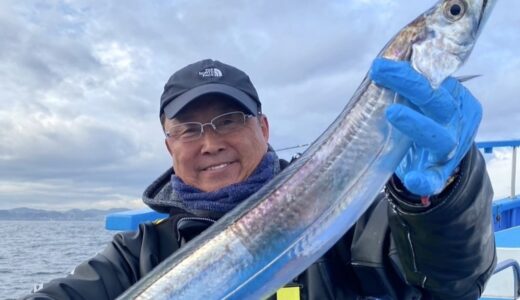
(222, 124)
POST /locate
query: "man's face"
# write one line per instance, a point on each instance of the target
(216, 160)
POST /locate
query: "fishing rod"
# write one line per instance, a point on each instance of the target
(291, 147)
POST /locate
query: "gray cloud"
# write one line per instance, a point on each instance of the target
(81, 81)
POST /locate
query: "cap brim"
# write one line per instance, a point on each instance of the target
(172, 108)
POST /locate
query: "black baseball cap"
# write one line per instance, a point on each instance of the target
(208, 77)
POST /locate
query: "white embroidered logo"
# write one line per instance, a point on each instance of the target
(210, 72)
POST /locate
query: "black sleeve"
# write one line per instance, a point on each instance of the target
(125, 260)
(446, 249)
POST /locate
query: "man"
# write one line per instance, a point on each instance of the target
(429, 236)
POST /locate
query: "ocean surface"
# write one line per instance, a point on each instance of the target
(33, 252)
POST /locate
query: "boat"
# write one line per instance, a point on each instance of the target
(504, 284)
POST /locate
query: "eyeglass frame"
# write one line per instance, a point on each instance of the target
(202, 125)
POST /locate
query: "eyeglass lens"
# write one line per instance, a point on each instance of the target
(222, 124)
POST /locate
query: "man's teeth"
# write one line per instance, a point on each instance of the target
(216, 167)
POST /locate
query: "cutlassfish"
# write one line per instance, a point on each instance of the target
(289, 223)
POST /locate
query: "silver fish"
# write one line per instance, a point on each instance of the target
(288, 224)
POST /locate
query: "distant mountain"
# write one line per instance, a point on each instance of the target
(31, 214)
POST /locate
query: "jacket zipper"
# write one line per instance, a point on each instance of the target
(208, 220)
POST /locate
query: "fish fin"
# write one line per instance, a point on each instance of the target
(467, 77)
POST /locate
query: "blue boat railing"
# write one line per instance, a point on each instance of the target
(510, 263)
(506, 212)
(129, 220)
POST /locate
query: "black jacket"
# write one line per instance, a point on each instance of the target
(399, 249)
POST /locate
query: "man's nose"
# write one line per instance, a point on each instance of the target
(212, 142)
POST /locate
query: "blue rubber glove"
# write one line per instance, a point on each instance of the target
(442, 126)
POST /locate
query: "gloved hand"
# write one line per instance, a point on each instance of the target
(442, 126)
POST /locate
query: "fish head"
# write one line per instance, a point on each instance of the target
(449, 32)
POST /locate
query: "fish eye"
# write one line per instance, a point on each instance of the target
(455, 9)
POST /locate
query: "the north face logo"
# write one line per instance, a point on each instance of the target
(210, 72)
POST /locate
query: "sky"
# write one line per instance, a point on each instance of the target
(80, 83)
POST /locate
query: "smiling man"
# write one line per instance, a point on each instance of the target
(217, 137)
(403, 247)
(212, 159)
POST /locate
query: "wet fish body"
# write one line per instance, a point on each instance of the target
(288, 224)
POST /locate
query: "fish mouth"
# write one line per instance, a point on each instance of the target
(484, 5)
(485, 11)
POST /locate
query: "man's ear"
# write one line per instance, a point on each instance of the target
(168, 147)
(264, 125)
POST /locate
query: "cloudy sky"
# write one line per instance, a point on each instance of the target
(81, 81)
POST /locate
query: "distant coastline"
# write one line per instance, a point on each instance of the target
(31, 214)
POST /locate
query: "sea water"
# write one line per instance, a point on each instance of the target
(33, 252)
